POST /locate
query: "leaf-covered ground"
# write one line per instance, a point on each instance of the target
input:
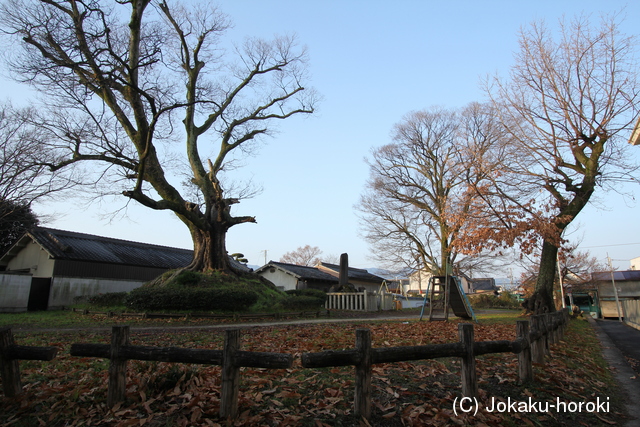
(71, 391)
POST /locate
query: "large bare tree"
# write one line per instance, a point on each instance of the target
(567, 108)
(118, 76)
(421, 187)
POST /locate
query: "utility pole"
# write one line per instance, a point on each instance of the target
(615, 290)
(560, 279)
(265, 256)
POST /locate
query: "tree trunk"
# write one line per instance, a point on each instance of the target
(542, 299)
(209, 249)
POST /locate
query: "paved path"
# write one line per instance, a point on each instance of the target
(619, 340)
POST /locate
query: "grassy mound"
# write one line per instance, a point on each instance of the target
(211, 291)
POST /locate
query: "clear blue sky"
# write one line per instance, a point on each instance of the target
(373, 62)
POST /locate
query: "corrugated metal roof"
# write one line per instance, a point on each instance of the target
(70, 245)
(618, 276)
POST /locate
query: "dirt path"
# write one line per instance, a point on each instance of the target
(337, 317)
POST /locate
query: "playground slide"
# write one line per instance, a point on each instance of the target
(458, 301)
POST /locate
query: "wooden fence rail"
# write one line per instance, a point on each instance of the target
(231, 358)
(11, 353)
(531, 345)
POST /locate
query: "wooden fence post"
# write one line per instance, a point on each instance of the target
(10, 367)
(537, 345)
(468, 361)
(525, 369)
(230, 375)
(117, 366)
(547, 329)
(557, 324)
(362, 401)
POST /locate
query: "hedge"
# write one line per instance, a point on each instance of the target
(190, 299)
(302, 303)
(304, 299)
(317, 293)
(109, 299)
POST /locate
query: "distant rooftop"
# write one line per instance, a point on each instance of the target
(618, 276)
(354, 273)
(300, 271)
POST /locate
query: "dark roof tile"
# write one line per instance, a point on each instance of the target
(300, 271)
(354, 273)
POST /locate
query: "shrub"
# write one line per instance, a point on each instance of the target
(109, 299)
(505, 300)
(190, 299)
(302, 302)
(317, 293)
(187, 278)
(304, 299)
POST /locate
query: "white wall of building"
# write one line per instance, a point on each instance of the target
(65, 289)
(14, 292)
(15, 289)
(34, 259)
(418, 282)
(282, 280)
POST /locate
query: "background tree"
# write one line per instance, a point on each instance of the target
(304, 255)
(115, 87)
(421, 188)
(23, 179)
(15, 220)
(567, 109)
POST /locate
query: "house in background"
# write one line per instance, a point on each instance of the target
(627, 286)
(287, 277)
(419, 282)
(358, 277)
(324, 276)
(483, 286)
(48, 268)
(635, 264)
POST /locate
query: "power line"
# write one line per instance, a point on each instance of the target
(608, 246)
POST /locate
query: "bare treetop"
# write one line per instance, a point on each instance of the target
(305, 255)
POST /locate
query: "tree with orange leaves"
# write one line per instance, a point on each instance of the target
(567, 110)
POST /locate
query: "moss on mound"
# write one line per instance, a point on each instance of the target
(210, 291)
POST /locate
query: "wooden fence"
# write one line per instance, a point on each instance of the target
(11, 353)
(360, 301)
(230, 358)
(531, 345)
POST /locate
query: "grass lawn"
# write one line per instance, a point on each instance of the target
(72, 391)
